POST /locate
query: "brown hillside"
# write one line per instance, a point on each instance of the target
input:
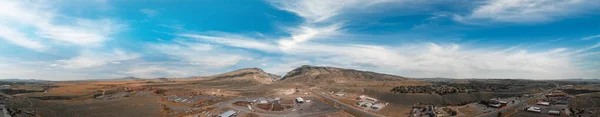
(319, 75)
(248, 75)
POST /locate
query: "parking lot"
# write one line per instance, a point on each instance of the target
(544, 110)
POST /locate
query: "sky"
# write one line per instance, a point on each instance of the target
(101, 39)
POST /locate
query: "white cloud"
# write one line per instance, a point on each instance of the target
(209, 59)
(37, 20)
(19, 38)
(585, 49)
(156, 71)
(286, 66)
(83, 32)
(526, 11)
(235, 41)
(305, 33)
(590, 37)
(433, 60)
(319, 18)
(416, 59)
(88, 59)
(320, 11)
(149, 12)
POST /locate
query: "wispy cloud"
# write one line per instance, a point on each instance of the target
(320, 11)
(206, 57)
(43, 22)
(89, 58)
(149, 12)
(19, 38)
(416, 59)
(526, 11)
(234, 41)
(590, 37)
(158, 71)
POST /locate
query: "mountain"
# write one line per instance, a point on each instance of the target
(582, 80)
(18, 80)
(247, 75)
(323, 75)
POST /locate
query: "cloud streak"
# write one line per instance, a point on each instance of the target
(42, 20)
(526, 11)
(590, 37)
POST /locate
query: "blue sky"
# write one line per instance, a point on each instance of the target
(72, 40)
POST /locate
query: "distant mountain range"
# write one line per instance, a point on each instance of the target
(582, 80)
(304, 75)
(15, 80)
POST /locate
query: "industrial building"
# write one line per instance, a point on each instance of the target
(229, 113)
(543, 103)
(378, 106)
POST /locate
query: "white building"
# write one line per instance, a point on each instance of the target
(228, 113)
(378, 106)
(371, 99)
(534, 109)
(299, 100)
(554, 112)
(367, 105)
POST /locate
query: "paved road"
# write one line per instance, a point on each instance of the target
(350, 107)
(519, 104)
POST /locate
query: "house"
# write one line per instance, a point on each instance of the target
(263, 101)
(299, 100)
(339, 94)
(229, 113)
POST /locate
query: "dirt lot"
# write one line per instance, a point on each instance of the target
(138, 106)
(469, 111)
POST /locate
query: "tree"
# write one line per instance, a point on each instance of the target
(499, 114)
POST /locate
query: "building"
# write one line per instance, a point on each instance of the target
(299, 100)
(229, 113)
(277, 100)
(556, 95)
(534, 109)
(371, 99)
(496, 105)
(361, 97)
(378, 106)
(367, 105)
(554, 112)
(360, 103)
(503, 102)
(543, 103)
